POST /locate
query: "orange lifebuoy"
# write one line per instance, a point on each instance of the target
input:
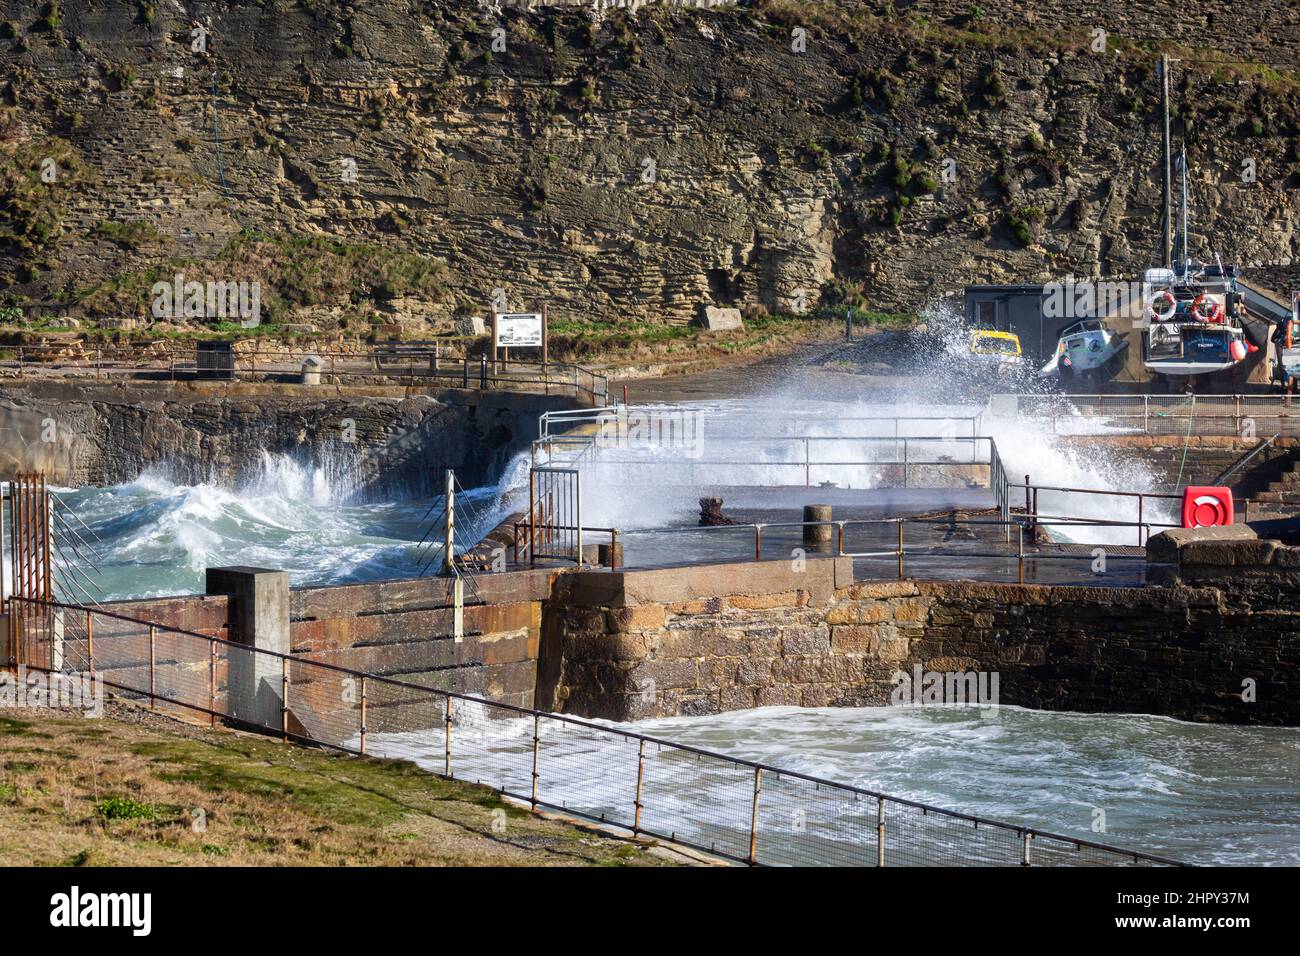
(1163, 315)
(1198, 309)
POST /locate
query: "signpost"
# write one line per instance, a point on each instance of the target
(521, 330)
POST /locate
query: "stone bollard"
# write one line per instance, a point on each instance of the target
(818, 536)
(311, 367)
(599, 555)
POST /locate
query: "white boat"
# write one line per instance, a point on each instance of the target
(1194, 321)
(1083, 349)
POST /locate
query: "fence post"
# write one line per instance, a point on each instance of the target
(363, 715)
(758, 542)
(1020, 548)
(284, 699)
(90, 642)
(880, 831)
(446, 754)
(900, 549)
(153, 668)
(537, 720)
(640, 788)
(1139, 519)
(1025, 859)
(753, 818)
(212, 682)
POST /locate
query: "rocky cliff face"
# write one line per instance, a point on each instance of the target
(406, 159)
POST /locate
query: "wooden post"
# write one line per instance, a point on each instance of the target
(284, 699)
(753, 818)
(363, 714)
(90, 642)
(153, 668)
(640, 788)
(212, 682)
(536, 746)
(880, 831)
(446, 755)
(900, 549)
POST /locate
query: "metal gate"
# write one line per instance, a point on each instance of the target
(32, 632)
(554, 514)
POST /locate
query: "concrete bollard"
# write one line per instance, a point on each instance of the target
(818, 535)
(259, 618)
(599, 555)
(311, 371)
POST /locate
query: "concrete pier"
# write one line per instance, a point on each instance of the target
(259, 614)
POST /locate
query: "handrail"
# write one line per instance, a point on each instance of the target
(414, 362)
(1243, 461)
(759, 768)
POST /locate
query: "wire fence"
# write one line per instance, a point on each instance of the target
(1205, 415)
(430, 366)
(739, 810)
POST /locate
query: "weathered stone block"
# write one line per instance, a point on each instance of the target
(642, 617)
(746, 602)
(716, 319)
(854, 639)
(803, 641)
(667, 674)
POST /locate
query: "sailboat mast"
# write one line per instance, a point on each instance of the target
(1185, 254)
(1169, 198)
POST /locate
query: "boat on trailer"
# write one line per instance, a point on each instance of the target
(1082, 350)
(1195, 321)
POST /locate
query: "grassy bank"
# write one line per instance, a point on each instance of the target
(136, 789)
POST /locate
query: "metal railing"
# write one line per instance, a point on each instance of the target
(1208, 415)
(1243, 461)
(736, 809)
(560, 422)
(412, 366)
(906, 550)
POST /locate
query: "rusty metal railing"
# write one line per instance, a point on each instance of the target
(902, 549)
(1222, 415)
(428, 367)
(736, 809)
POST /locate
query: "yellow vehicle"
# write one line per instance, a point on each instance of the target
(995, 348)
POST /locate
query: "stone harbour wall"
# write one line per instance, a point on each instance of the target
(767, 636)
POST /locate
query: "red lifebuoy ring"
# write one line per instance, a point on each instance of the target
(1198, 310)
(1166, 314)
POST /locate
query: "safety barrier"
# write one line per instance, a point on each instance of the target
(1208, 415)
(884, 538)
(428, 366)
(737, 809)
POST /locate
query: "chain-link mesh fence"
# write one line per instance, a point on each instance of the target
(736, 809)
(1209, 415)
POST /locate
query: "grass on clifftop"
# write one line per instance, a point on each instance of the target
(141, 790)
